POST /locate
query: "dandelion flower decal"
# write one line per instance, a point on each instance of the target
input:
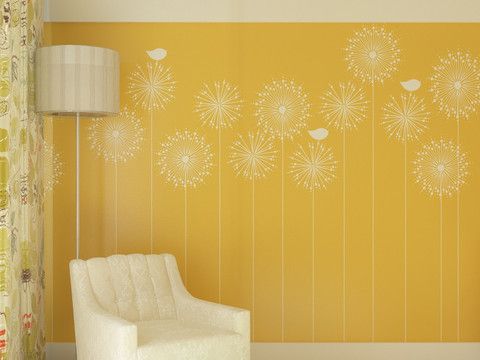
(118, 138)
(185, 159)
(152, 86)
(441, 168)
(253, 156)
(313, 166)
(372, 54)
(52, 166)
(282, 108)
(405, 118)
(435, 168)
(219, 105)
(455, 84)
(344, 106)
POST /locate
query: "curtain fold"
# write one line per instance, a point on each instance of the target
(21, 187)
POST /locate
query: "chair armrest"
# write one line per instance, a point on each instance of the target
(203, 312)
(224, 317)
(99, 335)
(106, 336)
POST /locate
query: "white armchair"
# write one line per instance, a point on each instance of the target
(135, 307)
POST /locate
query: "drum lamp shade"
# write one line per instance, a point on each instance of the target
(77, 79)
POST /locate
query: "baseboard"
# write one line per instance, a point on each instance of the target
(332, 351)
(367, 351)
(61, 351)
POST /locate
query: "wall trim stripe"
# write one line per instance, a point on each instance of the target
(263, 11)
(332, 351)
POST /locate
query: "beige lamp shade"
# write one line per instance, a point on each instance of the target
(77, 79)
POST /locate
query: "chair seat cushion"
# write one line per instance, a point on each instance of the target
(176, 340)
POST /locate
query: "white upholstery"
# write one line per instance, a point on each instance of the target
(135, 307)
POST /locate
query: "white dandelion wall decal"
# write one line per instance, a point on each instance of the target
(116, 139)
(219, 106)
(455, 85)
(282, 110)
(52, 167)
(344, 107)
(253, 157)
(435, 168)
(313, 167)
(152, 88)
(405, 119)
(372, 55)
(440, 169)
(185, 160)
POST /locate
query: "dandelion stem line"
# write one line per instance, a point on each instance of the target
(116, 202)
(405, 235)
(253, 259)
(219, 214)
(313, 265)
(283, 236)
(441, 267)
(185, 228)
(344, 230)
(373, 209)
(151, 181)
(458, 222)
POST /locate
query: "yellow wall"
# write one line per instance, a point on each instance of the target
(250, 55)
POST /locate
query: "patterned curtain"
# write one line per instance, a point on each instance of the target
(21, 187)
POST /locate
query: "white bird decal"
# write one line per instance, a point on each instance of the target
(157, 54)
(411, 85)
(318, 134)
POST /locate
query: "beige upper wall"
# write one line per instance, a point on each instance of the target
(46, 11)
(264, 10)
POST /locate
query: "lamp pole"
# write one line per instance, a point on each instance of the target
(89, 86)
(77, 188)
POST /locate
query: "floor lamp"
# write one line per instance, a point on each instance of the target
(79, 81)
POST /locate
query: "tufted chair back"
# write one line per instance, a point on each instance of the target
(134, 287)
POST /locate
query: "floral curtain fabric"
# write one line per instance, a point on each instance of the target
(21, 188)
